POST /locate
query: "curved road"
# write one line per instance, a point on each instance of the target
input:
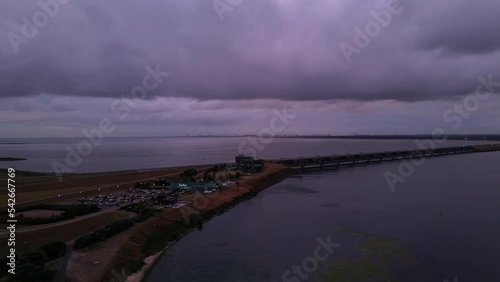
(59, 223)
(99, 188)
(49, 225)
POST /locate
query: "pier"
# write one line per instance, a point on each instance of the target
(378, 157)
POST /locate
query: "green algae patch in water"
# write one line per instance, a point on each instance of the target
(375, 257)
(385, 249)
(355, 271)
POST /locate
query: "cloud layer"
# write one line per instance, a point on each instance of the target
(286, 50)
(226, 76)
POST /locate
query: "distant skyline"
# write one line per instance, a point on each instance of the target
(227, 69)
(471, 137)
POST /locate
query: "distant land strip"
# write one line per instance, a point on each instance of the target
(302, 163)
(12, 159)
(471, 137)
(466, 137)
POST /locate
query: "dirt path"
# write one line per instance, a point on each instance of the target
(95, 189)
(92, 265)
(106, 259)
(59, 223)
(74, 187)
(61, 273)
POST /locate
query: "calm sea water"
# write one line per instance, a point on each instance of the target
(262, 238)
(142, 153)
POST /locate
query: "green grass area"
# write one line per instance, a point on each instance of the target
(143, 210)
(20, 173)
(69, 212)
(103, 233)
(37, 264)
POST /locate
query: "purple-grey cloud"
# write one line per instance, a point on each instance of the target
(286, 50)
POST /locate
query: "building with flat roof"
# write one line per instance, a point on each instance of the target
(192, 186)
(245, 163)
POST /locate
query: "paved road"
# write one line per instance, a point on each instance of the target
(50, 225)
(95, 189)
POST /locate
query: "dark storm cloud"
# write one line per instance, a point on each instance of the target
(274, 49)
(473, 32)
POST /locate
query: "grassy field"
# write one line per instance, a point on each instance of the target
(37, 213)
(30, 192)
(489, 148)
(33, 239)
(3, 174)
(154, 234)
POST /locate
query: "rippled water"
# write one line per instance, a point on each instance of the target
(141, 153)
(262, 238)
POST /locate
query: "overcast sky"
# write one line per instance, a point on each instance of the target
(231, 63)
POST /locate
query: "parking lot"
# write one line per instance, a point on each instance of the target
(132, 195)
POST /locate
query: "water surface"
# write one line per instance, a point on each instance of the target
(142, 153)
(262, 238)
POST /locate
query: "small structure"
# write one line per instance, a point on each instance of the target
(246, 164)
(192, 186)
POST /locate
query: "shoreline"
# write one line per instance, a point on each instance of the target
(256, 186)
(139, 249)
(149, 263)
(10, 159)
